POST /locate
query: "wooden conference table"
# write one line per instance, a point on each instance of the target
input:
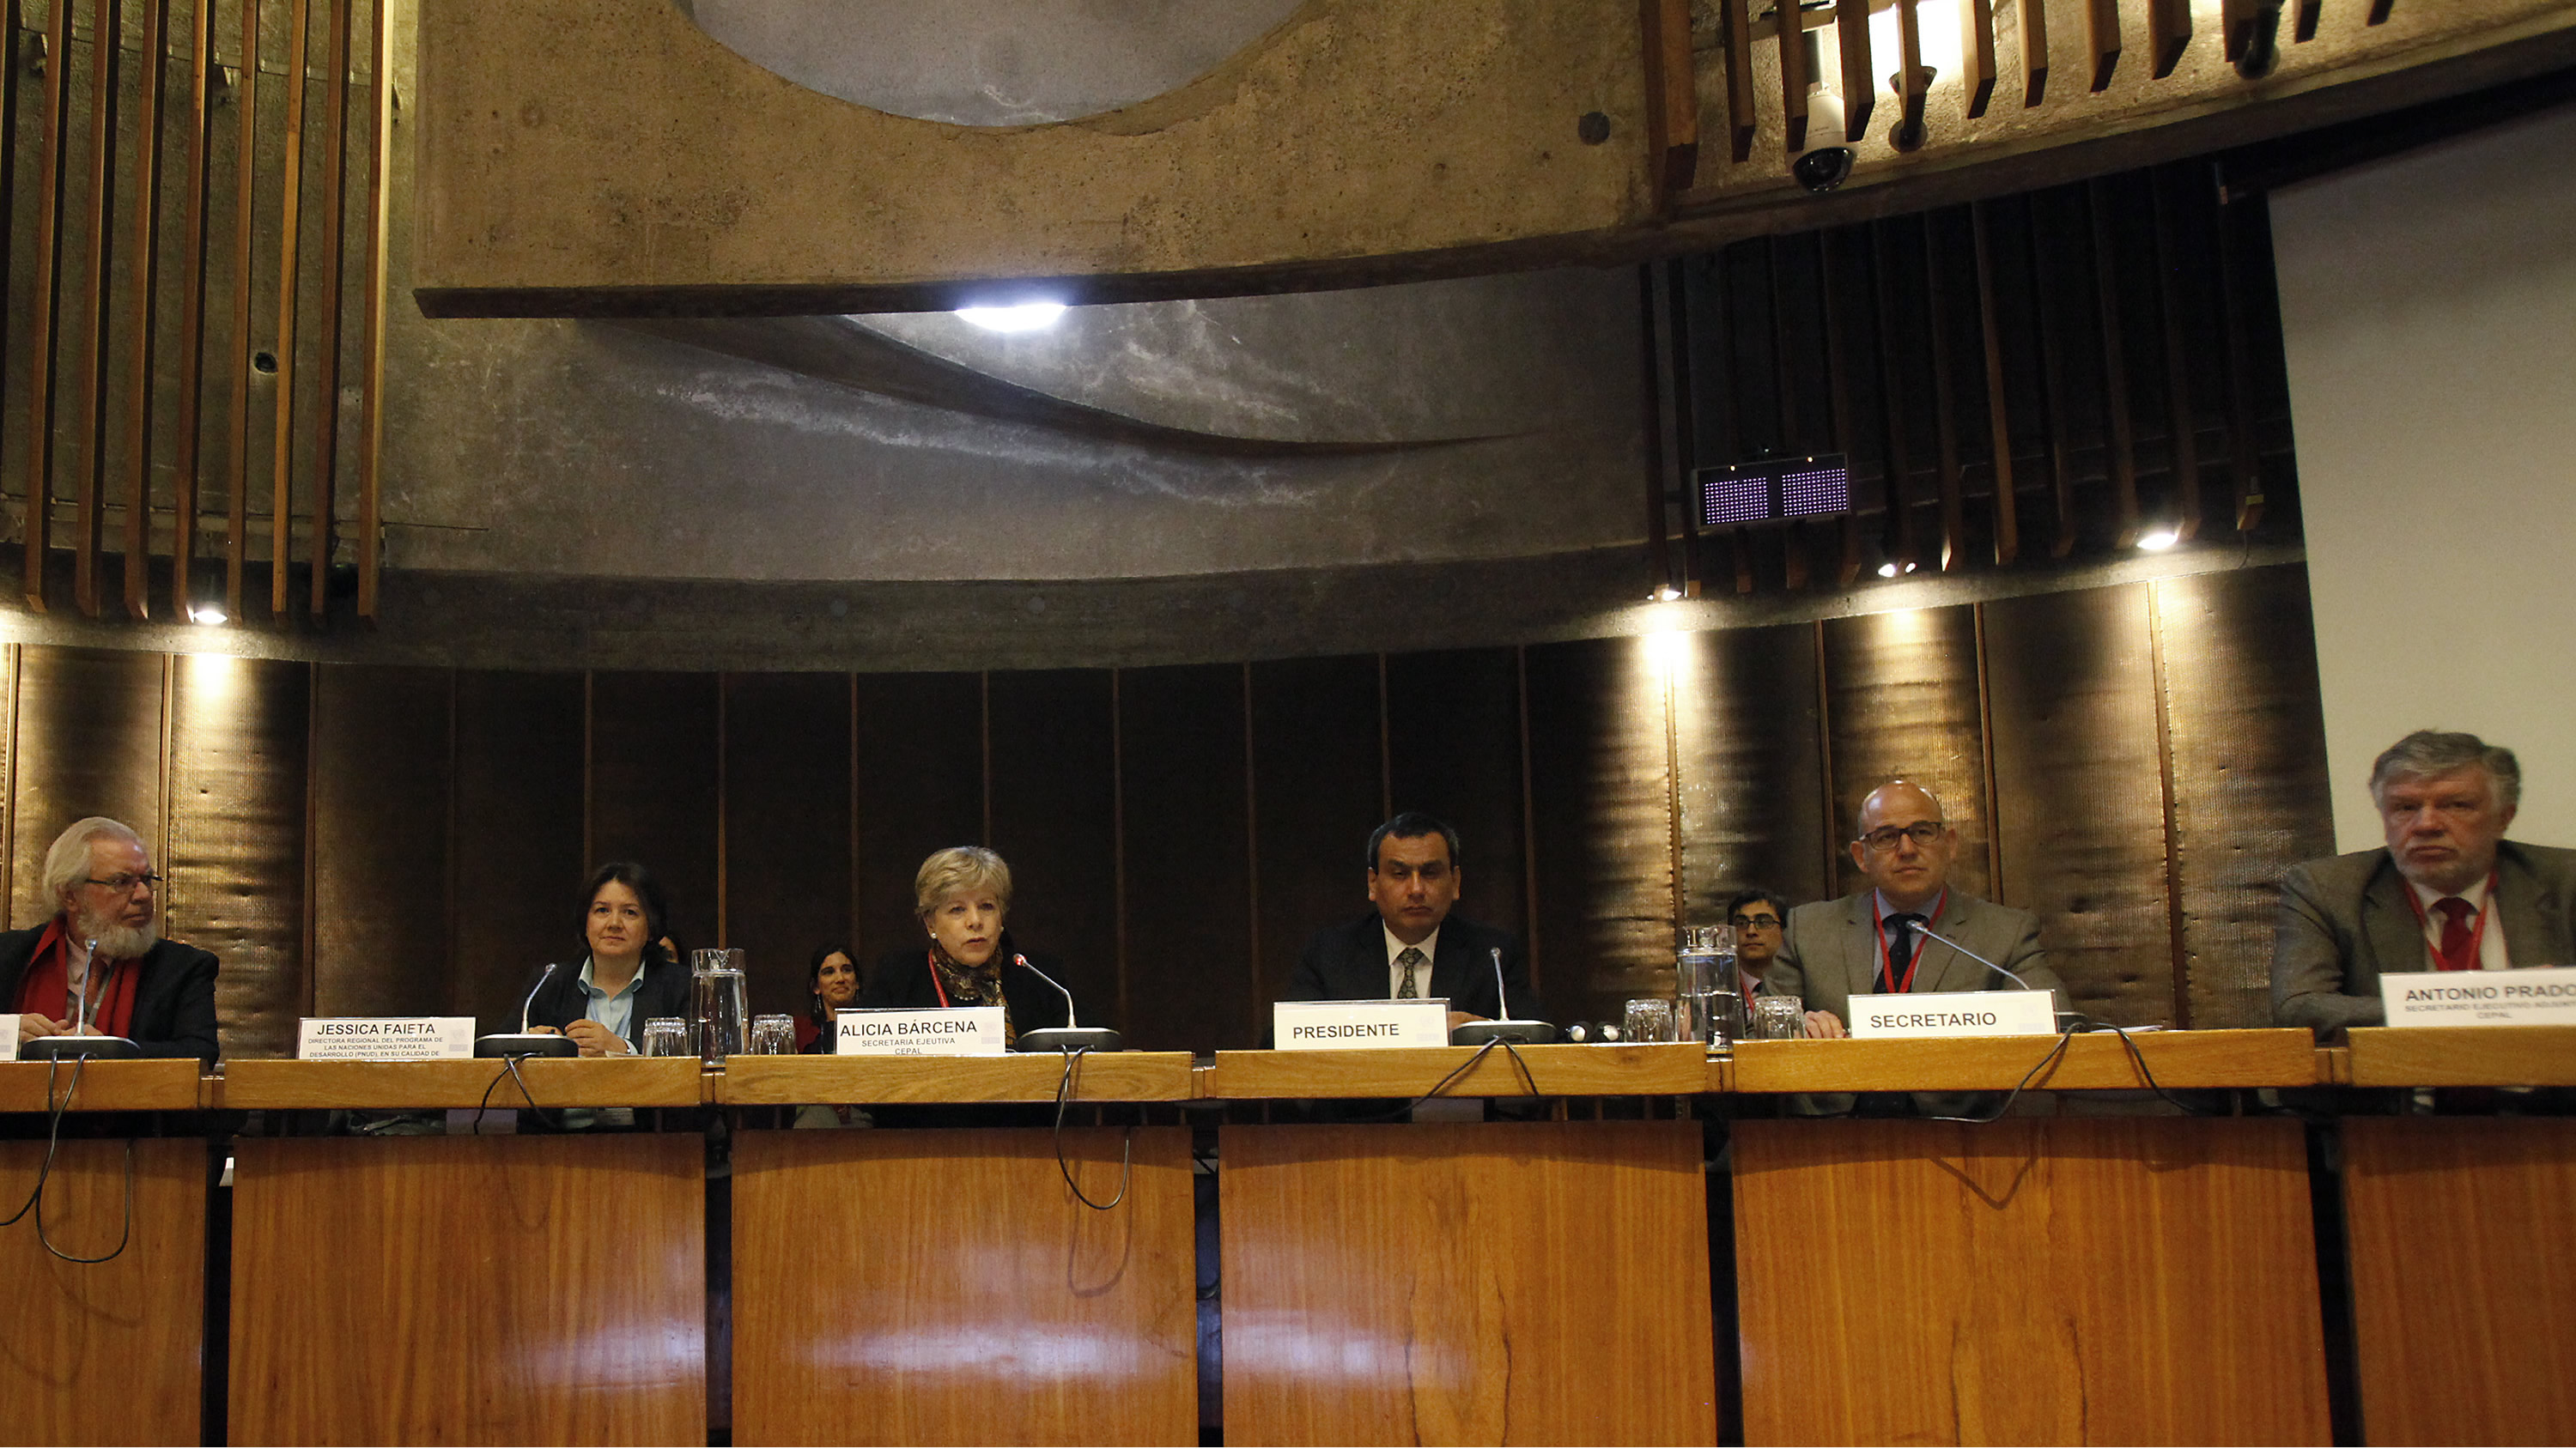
(2062, 1279)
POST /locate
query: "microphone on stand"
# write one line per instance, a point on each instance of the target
(523, 1042)
(1504, 1027)
(1067, 1037)
(79, 1043)
(1925, 929)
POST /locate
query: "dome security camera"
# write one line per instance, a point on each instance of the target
(1826, 162)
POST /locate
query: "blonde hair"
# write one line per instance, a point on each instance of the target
(960, 868)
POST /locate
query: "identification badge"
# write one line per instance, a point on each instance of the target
(964, 1031)
(1341, 1025)
(2526, 996)
(385, 1038)
(1954, 1013)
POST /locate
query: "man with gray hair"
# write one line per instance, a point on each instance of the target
(99, 967)
(2447, 892)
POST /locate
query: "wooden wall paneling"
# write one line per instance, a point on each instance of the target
(1600, 798)
(2055, 392)
(1901, 702)
(1940, 309)
(1315, 800)
(142, 292)
(2007, 515)
(1454, 749)
(2028, 1282)
(195, 182)
(46, 304)
(1654, 360)
(1838, 373)
(1894, 390)
(88, 742)
(105, 1353)
(13, 70)
(1054, 815)
(2079, 793)
(2121, 435)
(326, 331)
(1024, 1317)
(10, 870)
(1744, 726)
(371, 355)
(2463, 1339)
(281, 516)
(2251, 797)
(1354, 1314)
(653, 763)
(786, 827)
(470, 1290)
(517, 866)
(106, 86)
(2182, 442)
(919, 787)
(239, 742)
(380, 815)
(1187, 847)
(244, 342)
(1686, 399)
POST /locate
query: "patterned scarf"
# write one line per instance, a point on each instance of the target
(976, 985)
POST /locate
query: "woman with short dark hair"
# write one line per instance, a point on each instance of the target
(626, 978)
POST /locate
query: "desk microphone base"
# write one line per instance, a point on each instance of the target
(1067, 1039)
(1525, 1033)
(527, 1044)
(69, 1048)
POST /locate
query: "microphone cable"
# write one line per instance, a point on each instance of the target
(1126, 1153)
(55, 1110)
(1461, 1070)
(510, 1069)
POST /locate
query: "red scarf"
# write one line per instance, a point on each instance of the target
(46, 988)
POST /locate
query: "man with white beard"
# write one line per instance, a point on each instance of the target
(100, 967)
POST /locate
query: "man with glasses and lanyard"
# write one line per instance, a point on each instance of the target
(1865, 943)
(99, 967)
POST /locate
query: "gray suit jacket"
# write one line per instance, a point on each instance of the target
(2344, 920)
(1830, 952)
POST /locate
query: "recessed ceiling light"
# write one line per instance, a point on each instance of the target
(206, 614)
(1022, 317)
(2159, 540)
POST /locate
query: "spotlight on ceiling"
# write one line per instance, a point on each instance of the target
(1019, 317)
(1892, 568)
(1666, 593)
(208, 614)
(2158, 540)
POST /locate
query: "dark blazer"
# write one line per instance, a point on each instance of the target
(1829, 952)
(1348, 963)
(2344, 920)
(174, 997)
(901, 979)
(561, 1002)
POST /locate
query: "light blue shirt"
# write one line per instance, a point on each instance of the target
(616, 1012)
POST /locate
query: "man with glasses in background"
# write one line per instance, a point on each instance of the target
(99, 967)
(1756, 915)
(1869, 942)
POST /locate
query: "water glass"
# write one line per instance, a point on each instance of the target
(1650, 1018)
(1779, 1018)
(773, 1036)
(666, 1036)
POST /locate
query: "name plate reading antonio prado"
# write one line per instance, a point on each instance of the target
(2526, 996)
(1954, 1013)
(963, 1031)
(1341, 1025)
(385, 1039)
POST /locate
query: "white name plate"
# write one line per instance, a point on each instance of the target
(2528, 996)
(8, 1037)
(1305, 1026)
(1955, 1013)
(964, 1031)
(385, 1039)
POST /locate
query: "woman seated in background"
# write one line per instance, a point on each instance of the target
(626, 979)
(962, 895)
(831, 982)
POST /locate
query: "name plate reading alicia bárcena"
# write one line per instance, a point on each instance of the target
(385, 1039)
(963, 1031)
(2527, 996)
(1340, 1025)
(1954, 1013)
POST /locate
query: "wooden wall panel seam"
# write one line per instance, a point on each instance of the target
(1118, 838)
(46, 299)
(1986, 754)
(281, 520)
(9, 658)
(192, 316)
(1529, 827)
(1251, 858)
(245, 347)
(2176, 944)
(106, 68)
(724, 828)
(1651, 402)
(145, 283)
(309, 929)
(371, 397)
(326, 359)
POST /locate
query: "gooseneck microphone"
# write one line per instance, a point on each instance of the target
(523, 1042)
(1925, 929)
(1504, 1027)
(1067, 1037)
(80, 1043)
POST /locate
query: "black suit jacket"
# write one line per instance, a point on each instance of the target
(902, 979)
(174, 997)
(1348, 963)
(561, 1001)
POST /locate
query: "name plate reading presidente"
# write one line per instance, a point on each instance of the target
(1954, 1013)
(385, 1039)
(1341, 1025)
(964, 1031)
(2526, 996)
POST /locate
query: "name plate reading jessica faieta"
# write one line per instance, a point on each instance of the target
(1954, 1013)
(385, 1039)
(2528, 996)
(964, 1031)
(1340, 1025)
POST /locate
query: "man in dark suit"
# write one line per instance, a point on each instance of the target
(2447, 892)
(1410, 944)
(99, 967)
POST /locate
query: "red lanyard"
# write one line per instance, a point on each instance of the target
(933, 958)
(2477, 941)
(1887, 967)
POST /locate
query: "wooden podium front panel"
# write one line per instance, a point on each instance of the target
(1466, 1283)
(2463, 1282)
(103, 1353)
(470, 1290)
(943, 1286)
(2097, 1281)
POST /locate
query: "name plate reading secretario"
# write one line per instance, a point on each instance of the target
(965, 1031)
(1954, 1013)
(385, 1039)
(2529, 996)
(1341, 1025)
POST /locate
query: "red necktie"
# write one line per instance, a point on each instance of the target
(2458, 949)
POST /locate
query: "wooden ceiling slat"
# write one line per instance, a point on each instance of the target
(245, 346)
(192, 313)
(1977, 53)
(326, 359)
(106, 62)
(371, 416)
(1736, 30)
(2102, 38)
(1859, 87)
(1998, 405)
(146, 292)
(47, 303)
(290, 206)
